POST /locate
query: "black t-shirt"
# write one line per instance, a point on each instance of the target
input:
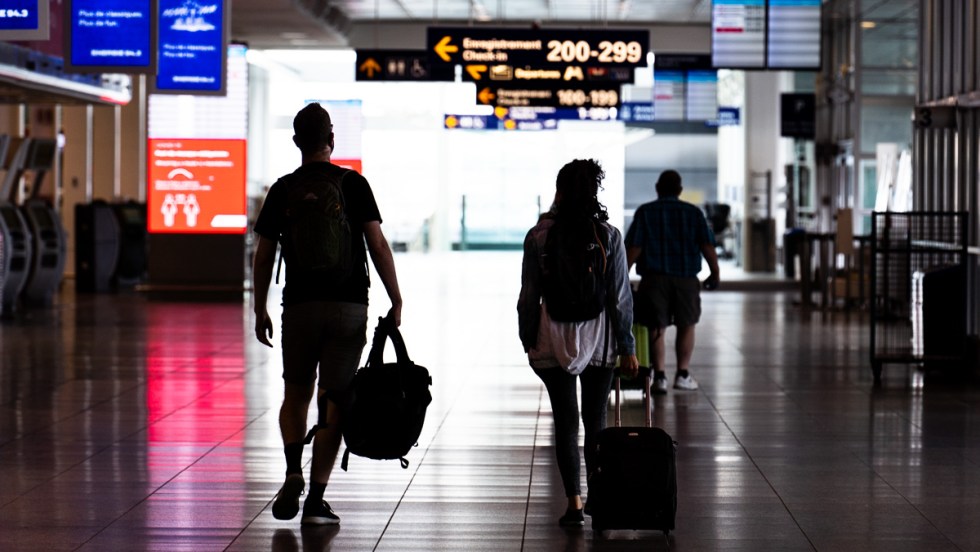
(302, 286)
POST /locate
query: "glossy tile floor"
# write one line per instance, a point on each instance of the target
(131, 425)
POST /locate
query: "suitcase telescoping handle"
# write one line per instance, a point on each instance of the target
(647, 416)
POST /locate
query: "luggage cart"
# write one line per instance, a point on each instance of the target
(918, 288)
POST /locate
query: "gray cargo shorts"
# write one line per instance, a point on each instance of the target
(663, 301)
(326, 335)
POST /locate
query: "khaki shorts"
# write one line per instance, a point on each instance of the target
(663, 301)
(325, 335)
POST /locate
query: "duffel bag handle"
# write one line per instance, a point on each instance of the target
(386, 329)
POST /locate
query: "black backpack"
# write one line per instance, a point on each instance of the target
(574, 279)
(317, 234)
(387, 402)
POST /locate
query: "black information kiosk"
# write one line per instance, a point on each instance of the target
(50, 243)
(13, 227)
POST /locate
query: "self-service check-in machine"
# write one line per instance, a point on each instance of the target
(96, 246)
(17, 247)
(49, 242)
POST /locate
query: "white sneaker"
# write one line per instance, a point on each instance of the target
(687, 383)
(659, 386)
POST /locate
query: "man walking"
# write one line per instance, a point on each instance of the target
(666, 240)
(324, 316)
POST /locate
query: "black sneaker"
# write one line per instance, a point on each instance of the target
(286, 504)
(319, 514)
(572, 518)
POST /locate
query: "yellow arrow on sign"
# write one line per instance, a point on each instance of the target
(486, 96)
(370, 67)
(443, 48)
(476, 71)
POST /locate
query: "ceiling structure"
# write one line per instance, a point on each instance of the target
(268, 24)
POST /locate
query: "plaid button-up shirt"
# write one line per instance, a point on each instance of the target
(670, 232)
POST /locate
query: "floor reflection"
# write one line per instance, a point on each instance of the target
(129, 424)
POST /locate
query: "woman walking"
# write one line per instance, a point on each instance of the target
(575, 315)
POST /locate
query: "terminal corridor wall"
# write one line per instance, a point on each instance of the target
(947, 126)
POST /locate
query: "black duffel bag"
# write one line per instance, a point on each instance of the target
(387, 402)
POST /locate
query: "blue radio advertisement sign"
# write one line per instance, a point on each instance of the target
(19, 14)
(112, 35)
(192, 46)
(24, 20)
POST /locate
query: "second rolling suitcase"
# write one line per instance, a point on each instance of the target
(635, 484)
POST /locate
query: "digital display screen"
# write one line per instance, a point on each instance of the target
(171, 116)
(794, 34)
(191, 47)
(702, 95)
(24, 20)
(668, 95)
(111, 35)
(738, 34)
(196, 186)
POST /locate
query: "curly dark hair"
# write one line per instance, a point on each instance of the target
(312, 129)
(576, 191)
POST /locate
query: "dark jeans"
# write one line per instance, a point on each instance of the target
(596, 383)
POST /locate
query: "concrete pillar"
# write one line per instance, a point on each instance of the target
(764, 155)
(76, 172)
(105, 152)
(132, 149)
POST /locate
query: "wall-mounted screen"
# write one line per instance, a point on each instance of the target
(196, 186)
(794, 34)
(702, 95)
(738, 34)
(191, 47)
(24, 20)
(197, 158)
(668, 95)
(766, 34)
(685, 87)
(115, 36)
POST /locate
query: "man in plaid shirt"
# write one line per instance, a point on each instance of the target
(667, 239)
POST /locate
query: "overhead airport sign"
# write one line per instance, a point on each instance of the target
(560, 95)
(527, 118)
(539, 48)
(400, 65)
(483, 72)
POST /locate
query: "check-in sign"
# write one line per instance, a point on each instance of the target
(483, 72)
(541, 48)
(584, 95)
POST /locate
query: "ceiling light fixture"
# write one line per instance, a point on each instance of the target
(868, 24)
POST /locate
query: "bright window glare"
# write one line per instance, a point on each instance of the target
(311, 56)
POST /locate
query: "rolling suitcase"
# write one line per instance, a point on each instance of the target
(635, 483)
